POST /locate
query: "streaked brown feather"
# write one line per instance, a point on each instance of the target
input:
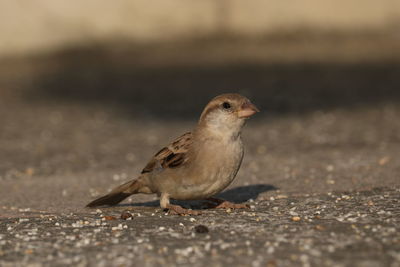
(172, 156)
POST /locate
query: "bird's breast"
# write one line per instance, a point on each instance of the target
(214, 168)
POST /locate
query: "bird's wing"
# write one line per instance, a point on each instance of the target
(172, 156)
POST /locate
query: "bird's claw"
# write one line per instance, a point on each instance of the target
(230, 205)
(223, 204)
(178, 210)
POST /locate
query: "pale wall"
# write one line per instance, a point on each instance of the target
(29, 26)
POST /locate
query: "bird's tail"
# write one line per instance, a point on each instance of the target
(116, 195)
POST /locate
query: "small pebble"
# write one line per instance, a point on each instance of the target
(109, 218)
(116, 228)
(383, 161)
(330, 181)
(296, 218)
(201, 229)
(125, 215)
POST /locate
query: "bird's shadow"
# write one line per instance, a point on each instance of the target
(242, 194)
(238, 194)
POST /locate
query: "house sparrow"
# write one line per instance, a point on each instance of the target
(198, 164)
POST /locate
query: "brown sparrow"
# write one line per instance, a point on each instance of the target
(197, 165)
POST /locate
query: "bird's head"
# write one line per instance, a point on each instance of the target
(226, 114)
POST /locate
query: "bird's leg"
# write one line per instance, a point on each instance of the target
(224, 204)
(175, 209)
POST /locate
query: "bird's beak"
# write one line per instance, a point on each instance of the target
(247, 110)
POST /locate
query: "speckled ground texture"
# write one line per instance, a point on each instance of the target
(321, 172)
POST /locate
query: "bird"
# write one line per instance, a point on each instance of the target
(198, 164)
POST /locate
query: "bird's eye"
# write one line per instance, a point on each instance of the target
(226, 105)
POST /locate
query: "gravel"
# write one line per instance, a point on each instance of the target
(329, 231)
(320, 174)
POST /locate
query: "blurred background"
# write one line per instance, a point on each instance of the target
(89, 91)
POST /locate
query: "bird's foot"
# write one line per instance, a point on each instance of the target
(223, 204)
(178, 210)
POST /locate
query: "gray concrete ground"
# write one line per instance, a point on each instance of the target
(321, 169)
